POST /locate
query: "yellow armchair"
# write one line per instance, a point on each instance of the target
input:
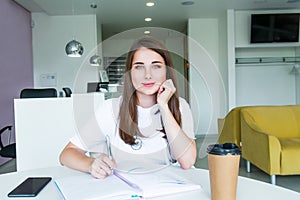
(230, 127)
(271, 139)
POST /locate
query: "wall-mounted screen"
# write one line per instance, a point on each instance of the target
(269, 28)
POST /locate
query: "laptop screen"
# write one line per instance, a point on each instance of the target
(93, 87)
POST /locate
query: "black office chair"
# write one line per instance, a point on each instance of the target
(67, 91)
(38, 93)
(8, 151)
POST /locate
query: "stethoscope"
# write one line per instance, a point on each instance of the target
(138, 143)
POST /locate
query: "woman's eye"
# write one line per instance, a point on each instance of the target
(156, 66)
(139, 67)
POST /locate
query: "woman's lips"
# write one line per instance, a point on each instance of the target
(148, 84)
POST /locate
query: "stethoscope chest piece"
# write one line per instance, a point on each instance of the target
(138, 143)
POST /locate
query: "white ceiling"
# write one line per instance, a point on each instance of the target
(120, 15)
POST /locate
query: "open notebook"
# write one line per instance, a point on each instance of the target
(123, 186)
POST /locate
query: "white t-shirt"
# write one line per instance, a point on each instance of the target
(154, 147)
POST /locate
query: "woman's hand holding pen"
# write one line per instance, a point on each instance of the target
(101, 166)
(165, 92)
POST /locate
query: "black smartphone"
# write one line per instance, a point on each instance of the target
(30, 187)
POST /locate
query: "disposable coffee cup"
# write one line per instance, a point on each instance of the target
(223, 164)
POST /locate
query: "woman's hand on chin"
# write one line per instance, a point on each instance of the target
(165, 92)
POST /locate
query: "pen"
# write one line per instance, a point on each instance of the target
(109, 151)
(116, 173)
(133, 185)
(108, 147)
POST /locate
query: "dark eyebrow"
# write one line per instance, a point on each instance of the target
(138, 63)
(154, 62)
(141, 63)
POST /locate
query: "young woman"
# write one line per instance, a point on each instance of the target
(148, 117)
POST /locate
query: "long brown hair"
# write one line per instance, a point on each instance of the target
(128, 125)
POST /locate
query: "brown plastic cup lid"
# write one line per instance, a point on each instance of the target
(224, 149)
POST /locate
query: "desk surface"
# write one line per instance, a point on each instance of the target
(248, 189)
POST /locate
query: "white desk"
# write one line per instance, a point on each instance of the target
(248, 189)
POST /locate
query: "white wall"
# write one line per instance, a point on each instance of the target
(52, 67)
(298, 89)
(207, 90)
(260, 84)
(297, 84)
(176, 47)
(231, 59)
(265, 85)
(115, 47)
